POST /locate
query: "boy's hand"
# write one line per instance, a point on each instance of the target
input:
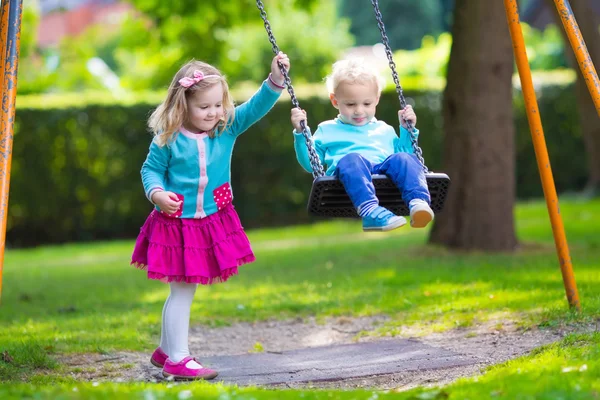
(166, 201)
(276, 74)
(297, 116)
(407, 114)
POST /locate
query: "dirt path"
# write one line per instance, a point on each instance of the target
(488, 344)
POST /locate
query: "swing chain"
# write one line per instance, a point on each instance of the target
(315, 161)
(388, 51)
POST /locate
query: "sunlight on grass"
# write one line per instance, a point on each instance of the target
(569, 369)
(208, 391)
(155, 296)
(86, 298)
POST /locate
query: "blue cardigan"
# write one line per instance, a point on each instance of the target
(197, 167)
(334, 139)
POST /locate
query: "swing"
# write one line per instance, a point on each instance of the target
(328, 197)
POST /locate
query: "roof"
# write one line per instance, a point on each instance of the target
(47, 6)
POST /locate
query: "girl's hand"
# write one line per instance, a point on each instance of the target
(166, 201)
(276, 74)
(408, 114)
(297, 116)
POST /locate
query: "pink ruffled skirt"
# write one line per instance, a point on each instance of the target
(204, 251)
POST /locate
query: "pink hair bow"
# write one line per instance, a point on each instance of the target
(198, 76)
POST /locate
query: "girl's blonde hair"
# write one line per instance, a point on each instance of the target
(353, 70)
(170, 115)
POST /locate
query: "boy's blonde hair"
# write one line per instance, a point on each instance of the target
(168, 117)
(353, 70)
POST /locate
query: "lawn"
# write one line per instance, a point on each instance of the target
(85, 298)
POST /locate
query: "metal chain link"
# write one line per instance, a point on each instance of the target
(315, 161)
(388, 52)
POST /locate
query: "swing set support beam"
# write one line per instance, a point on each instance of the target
(541, 152)
(580, 49)
(10, 31)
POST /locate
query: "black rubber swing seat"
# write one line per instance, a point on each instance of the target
(328, 198)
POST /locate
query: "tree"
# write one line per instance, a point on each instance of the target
(317, 39)
(479, 152)
(406, 21)
(185, 29)
(588, 22)
(446, 14)
(33, 74)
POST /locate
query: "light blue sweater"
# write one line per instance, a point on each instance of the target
(198, 167)
(334, 139)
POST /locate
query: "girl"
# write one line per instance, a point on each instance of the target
(356, 145)
(194, 234)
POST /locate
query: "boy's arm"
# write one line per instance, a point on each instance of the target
(403, 144)
(302, 150)
(154, 169)
(256, 107)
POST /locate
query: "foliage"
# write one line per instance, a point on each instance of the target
(447, 11)
(313, 39)
(88, 157)
(545, 50)
(143, 60)
(74, 55)
(145, 50)
(406, 21)
(228, 34)
(78, 161)
(65, 68)
(30, 19)
(427, 62)
(34, 75)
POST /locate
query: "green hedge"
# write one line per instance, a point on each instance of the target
(75, 174)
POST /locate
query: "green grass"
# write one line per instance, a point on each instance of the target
(86, 298)
(569, 369)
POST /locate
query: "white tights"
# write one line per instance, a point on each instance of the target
(176, 321)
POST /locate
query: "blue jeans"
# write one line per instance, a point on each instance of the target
(354, 171)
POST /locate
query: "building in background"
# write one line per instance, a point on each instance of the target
(64, 18)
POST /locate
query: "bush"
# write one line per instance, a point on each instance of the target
(75, 173)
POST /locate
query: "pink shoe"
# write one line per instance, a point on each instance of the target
(158, 358)
(181, 371)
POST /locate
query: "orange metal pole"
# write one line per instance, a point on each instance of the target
(11, 22)
(580, 49)
(3, 37)
(541, 152)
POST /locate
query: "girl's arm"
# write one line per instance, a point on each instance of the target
(255, 108)
(302, 150)
(154, 169)
(263, 100)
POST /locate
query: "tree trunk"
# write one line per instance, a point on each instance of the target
(588, 115)
(479, 154)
